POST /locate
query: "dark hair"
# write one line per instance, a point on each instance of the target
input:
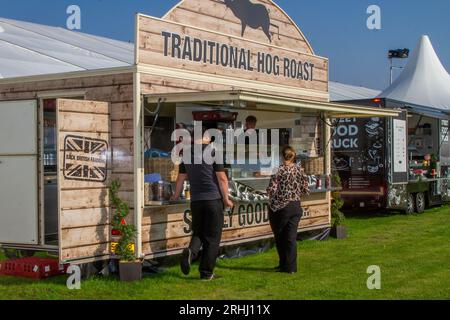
(289, 154)
(251, 119)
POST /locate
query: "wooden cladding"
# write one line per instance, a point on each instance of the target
(85, 214)
(167, 44)
(169, 228)
(84, 145)
(216, 16)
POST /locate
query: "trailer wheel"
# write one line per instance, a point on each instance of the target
(410, 204)
(420, 202)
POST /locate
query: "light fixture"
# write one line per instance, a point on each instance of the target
(398, 53)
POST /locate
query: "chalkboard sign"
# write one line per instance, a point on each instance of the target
(445, 143)
(358, 146)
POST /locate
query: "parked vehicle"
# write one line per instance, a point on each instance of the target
(398, 163)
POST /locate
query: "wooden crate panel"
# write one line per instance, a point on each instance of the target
(122, 111)
(127, 180)
(122, 129)
(163, 246)
(81, 106)
(84, 217)
(113, 94)
(84, 198)
(70, 121)
(90, 251)
(78, 237)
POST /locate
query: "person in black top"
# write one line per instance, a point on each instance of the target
(209, 197)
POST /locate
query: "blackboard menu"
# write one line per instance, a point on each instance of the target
(445, 143)
(358, 146)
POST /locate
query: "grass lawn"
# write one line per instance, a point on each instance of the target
(413, 253)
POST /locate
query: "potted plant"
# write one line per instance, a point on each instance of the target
(130, 268)
(338, 230)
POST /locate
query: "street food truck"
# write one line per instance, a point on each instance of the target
(65, 136)
(401, 163)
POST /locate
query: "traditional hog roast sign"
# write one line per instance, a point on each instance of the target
(85, 159)
(252, 40)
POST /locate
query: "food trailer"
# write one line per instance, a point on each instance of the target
(69, 135)
(401, 163)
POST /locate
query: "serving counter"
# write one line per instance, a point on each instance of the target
(166, 228)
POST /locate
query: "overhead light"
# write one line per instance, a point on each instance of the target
(398, 54)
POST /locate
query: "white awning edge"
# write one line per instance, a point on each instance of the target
(331, 109)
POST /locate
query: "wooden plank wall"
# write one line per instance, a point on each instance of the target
(84, 205)
(214, 15)
(167, 229)
(87, 231)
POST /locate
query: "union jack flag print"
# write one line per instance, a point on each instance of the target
(85, 159)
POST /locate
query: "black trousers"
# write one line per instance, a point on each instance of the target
(284, 225)
(207, 226)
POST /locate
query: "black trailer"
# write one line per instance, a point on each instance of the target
(398, 163)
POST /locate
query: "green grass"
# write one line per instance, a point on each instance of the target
(412, 251)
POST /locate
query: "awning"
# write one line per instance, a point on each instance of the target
(429, 112)
(260, 101)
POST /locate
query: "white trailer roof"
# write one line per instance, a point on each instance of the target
(346, 92)
(424, 81)
(29, 49)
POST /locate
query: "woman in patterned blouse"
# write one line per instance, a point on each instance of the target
(285, 191)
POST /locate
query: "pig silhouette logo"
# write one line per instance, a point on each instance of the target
(253, 15)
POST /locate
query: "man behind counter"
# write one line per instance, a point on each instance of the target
(209, 197)
(250, 123)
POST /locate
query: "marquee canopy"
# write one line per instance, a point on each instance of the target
(345, 92)
(424, 81)
(29, 49)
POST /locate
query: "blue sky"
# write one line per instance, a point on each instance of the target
(335, 28)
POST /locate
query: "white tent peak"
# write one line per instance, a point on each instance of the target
(424, 81)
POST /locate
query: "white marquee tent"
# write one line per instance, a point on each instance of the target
(29, 49)
(345, 92)
(424, 82)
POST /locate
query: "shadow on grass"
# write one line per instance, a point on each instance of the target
(254, 269)
(371, 214)
(367, 213)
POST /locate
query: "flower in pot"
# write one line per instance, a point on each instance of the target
(130, 268)
(338, 230)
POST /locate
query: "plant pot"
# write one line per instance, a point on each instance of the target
(339, 232)
(130, 271)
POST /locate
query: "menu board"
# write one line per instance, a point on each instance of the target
(444, 131)
(399, 147)
(445, 143)
(358, 146)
